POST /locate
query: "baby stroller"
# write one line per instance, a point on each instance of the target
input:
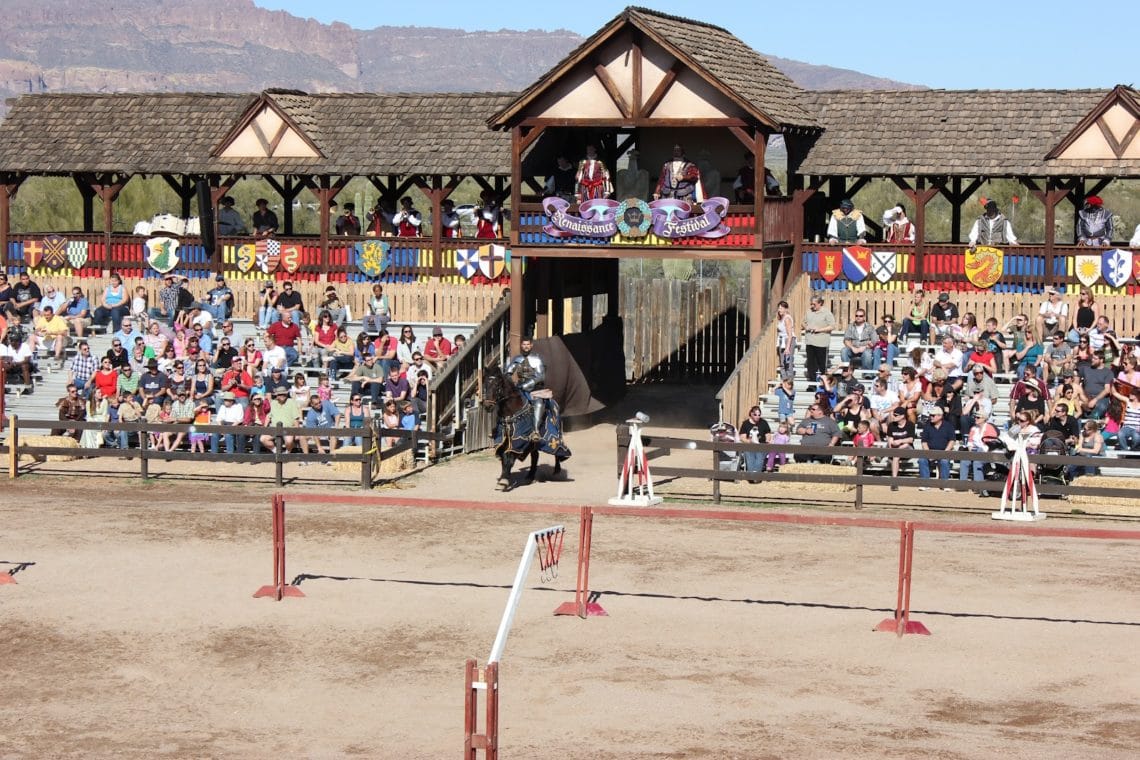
(1053, 444)
(724, 432)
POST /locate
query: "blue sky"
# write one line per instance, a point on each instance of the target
(999, 44)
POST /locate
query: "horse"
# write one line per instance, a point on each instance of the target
(514, 433)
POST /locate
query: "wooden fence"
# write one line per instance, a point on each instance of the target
(681, 331)
(749, 379)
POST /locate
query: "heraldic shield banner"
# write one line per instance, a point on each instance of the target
(830, 265)
(1116, 266)
(884, 265)
(1087, 268)
(856, 263)
(984, 266)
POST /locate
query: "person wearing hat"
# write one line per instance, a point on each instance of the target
(276, 381)
(943, 315)
(219, 300)
(282, 411)
(846, 224)
(937, 435)
(237, 380)
(407, 220)
(1094, 223)
(899, 434)
(979, 394)
(230, 413)
(265, 222)
(448, 219)
(991, 228)
(153, 385)
(896, 227)
(348, 223)
(979, 432)
(1053, 314)
(437, 349)
(334, 306)
(230, 222)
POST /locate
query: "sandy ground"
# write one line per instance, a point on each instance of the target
(134, 634)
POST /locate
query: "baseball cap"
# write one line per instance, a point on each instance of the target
(943, 296)
(229, 396)
(437, 331)
(219, 278)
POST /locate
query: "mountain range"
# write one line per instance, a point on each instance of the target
(236, 46)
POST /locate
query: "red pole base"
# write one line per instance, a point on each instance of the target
(593, 609)
(7, 580)
(890, 625)
(278, 593)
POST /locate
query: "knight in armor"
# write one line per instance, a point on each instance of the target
(680, 178)
(992, 228)
(846, 224)
(1094, 223)
(593, 178)
(531, 373)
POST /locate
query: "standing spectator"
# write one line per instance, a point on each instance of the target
(77, 312)
(264, 220)
(755, 429)
(991, 228)
(817, 430)
(230, 222)
(899, 434)
(817, 326)
(348, 223)
(786, 400)
(943, 315)
(82, 367)
(785, 339)
(219, 300)
(917, 318)
(26, 296)
(113, 305)
(937, 435)
(1094, 223)
(859, 340)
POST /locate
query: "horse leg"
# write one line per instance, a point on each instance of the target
(557, 466)
(505, 474)
(533, 465)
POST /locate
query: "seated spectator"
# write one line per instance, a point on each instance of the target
(16, 356)
(81, 368)
(276, 382)
(201, 334)
(1129, 371)
(1100, 333)
(978, 436)
(437, 349)
(419, 389)
(72, 408)
(385, 348)
(300, 391)
(980, 355)
(979, 394)
(995, 343)
(943, 315)
(53, 331)
(379, 314)
(230, 414)
(859, 340)
(1053, 316)
(77, 312)
(114, 304)
(1128, 437)
(881, 402)
(922, 361)
(1028, 356)
(26, 296)
(886, 346)
(937, 435)
(408, 417)
(390, 420)
(917, 318)
(459, 342)
(1096, 380)
(53, 298)
(851, 408)
(128, 383)
(1056, 357)
(355, 417)
(368, 380)
(127, 332)
(288, 301)
(96, 412)
(1090, 444)
(1019, 333)
(864, 438)
(910, 392)
(899, 434)
(1031, 400)
(324, 339)
(949, 358)
(965, 331)
(754, 429)
(322, 415)
(342, 352)
(817, 430)
(336, 308)
(418, 367)
(274, 356)
(283, 411)
(130, 411)
(1063, 424)
(153, 385)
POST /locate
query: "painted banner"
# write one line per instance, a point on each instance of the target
(668, 218)
(984, 266)
(467, 262)
(77, 250)
(372, 257)
(55, 248)
(1087, 268)
(246, 257)
(884, 265)
(830, 265)
(268, 254)
(1116, 266)
(856, 263)
(33, 253)
(162, 254)
(290, 258)
(1136, 267)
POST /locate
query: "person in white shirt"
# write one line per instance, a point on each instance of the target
(1053, 314)
(991, 228)
(273, 355)
(949, 358)
(1135, 241)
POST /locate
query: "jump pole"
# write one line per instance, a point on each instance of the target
(582, 606)
(280, 588)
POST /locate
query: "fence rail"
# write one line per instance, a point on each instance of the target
(368, 455)
(659, 447)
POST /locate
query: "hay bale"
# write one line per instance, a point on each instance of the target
(1104, 505)
(815, 468)
(353, 467)
(394, 465)
(54, 441)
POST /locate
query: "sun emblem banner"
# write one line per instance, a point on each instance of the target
(1087, 268)
(984, 266)
(1116, 266)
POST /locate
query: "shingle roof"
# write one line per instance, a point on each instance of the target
(438, 133)
(962, 132)
(740, 71)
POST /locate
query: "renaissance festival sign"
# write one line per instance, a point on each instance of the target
(666, 218)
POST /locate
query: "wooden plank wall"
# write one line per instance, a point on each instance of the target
(683, 331)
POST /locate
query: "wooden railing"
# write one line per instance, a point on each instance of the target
(749, 380)
(459, 381)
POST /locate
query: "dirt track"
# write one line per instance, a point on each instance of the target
(135, 634)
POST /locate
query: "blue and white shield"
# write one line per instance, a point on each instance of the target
(1116, 266)
(467, 262)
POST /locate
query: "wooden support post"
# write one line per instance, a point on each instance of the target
(756, 305)
(859, 464)
(920, 196)
(368, 442)
(144, 460)
(7, 193)
(83, 184)
(1054, 192)
(587, 296)
(278, 464)
(14, 448)
(517, 303)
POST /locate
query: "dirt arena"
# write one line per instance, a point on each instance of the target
(135, 634)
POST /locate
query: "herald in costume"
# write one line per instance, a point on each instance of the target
(592, 178)
(488, 217)
(407, 220)
(1094, 223)
(992, 229)
(680, 179)
(846, 224)
(896, 227)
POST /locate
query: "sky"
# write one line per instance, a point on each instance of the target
(983, 45)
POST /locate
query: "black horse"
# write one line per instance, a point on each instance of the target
(515, 437)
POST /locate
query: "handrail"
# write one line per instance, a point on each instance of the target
(460, 378)
(749, 380)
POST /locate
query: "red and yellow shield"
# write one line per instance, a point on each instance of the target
(1136, 267)
(246, 257)
(290, 258)
(984, 266)
(830, 265)
(33, 253)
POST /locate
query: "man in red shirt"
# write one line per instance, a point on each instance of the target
(286, 333)
(438, 348)
(238, 381)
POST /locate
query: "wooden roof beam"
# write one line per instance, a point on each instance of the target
(659, 91)
(612, 90)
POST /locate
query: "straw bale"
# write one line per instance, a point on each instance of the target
(814, 468)
(55, 441)
(1104, 505)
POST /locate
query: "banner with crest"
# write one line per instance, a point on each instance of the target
(984, 266)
